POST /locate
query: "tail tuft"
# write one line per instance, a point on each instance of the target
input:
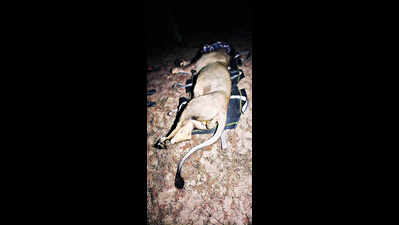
(179, 182)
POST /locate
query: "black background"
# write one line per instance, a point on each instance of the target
(76, 112)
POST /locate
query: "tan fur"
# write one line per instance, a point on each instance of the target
(211, 96)
(206, 59)
(208, 106)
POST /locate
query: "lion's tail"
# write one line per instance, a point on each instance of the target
(179, 182)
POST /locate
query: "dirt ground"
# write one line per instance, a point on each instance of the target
(218, 183)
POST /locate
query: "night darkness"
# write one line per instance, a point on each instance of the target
(169, 26)
(316, 103)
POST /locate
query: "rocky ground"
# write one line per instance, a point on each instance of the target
(218, 183)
